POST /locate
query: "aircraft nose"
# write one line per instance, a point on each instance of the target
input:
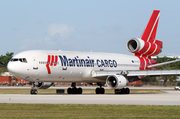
(17, 69)
(14, 68)
(10, 68)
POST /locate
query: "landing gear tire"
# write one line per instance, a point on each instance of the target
(79, 90)
(69, 90)
(97, 90)
(74, 90)
(100, 90)
(127, 91)
(122, 91)
(33, 91)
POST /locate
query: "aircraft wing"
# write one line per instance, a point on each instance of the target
(95, 74)
(130, 73)
(153, 72)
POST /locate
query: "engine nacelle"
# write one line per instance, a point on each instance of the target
(43, 85)
(140, 46)
(116, 81)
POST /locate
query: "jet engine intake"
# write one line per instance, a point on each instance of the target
(140, 46)
(43, 85)
(116, 81)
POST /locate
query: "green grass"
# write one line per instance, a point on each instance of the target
(53, 91)
(73, 111)
(66, 111)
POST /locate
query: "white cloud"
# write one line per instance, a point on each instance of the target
(62, 30)
(54, 34)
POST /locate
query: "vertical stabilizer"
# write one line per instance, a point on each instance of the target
(147, 45)
(151, 28)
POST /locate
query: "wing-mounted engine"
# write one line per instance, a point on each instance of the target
(116, 81)
(43, 85)
(141, 47)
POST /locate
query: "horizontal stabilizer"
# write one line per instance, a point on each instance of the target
(163, 63)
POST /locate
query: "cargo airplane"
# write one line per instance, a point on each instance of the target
(43, 68)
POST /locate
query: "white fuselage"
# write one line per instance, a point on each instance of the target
(62, 66)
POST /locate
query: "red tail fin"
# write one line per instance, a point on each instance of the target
(147, 46)
(151, 28)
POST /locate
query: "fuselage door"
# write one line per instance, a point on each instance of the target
(35, 66)
(35, 72)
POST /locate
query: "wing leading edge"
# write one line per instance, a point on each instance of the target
(130, 73)
(153, 73)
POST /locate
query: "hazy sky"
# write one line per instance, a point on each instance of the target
(85, 25)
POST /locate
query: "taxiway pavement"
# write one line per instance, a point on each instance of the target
(89, 87)
(169, 98)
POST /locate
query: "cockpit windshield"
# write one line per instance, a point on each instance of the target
(19, 59)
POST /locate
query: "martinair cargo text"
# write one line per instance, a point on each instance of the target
(115, 70)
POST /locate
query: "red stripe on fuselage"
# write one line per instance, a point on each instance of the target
(52, 60)
(143, 62)
(56, 60)
(47, 65)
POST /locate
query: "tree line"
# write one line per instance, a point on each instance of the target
(172, 79)
(4, 59)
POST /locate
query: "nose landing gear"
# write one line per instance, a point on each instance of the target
(33, 90)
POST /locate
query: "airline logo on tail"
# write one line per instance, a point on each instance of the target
(147, 45)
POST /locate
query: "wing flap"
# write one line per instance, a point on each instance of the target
(153, 73)
(104, 73)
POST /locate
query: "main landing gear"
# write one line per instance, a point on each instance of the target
(122, 91)
(100, 90)
(33, 90)
(74, 90)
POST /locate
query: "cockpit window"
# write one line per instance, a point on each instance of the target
(24, 60)
(19, 59)
(15, 60)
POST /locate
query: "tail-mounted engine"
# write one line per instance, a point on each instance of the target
(147, 46)
(116, 81)
(43, 85)
(141, 47)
